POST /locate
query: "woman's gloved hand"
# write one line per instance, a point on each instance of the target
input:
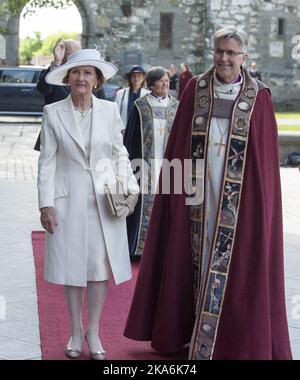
(128, 206)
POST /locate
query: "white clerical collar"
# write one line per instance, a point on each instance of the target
(227, 88)
(158, 98)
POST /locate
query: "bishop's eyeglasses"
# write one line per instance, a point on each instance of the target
(229, 53)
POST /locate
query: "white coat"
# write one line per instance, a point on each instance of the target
(62, 170)
(122, 102)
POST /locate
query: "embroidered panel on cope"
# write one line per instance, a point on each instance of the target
(171, 112)
(210, 307)
(146, 117)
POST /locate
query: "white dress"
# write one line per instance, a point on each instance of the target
(98, 267)
(159, 108)
(219, 132)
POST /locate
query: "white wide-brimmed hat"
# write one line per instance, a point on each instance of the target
(83, 57)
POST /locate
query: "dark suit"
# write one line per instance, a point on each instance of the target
(255, 74)
(53, 93)
(50, 92)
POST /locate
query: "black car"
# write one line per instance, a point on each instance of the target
(18, 93)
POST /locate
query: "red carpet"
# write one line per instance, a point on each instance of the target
(54, 320)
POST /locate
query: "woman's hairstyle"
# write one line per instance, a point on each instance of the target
(130, 82)
(232, 32)
(185, 66)
(100, 78)
(154, 74)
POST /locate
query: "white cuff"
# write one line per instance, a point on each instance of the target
(54, 65)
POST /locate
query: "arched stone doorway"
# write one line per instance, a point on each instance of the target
(119, 31)
(12, 23)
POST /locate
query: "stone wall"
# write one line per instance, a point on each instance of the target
(116, 33)
(271, 49)
(281, 69)
(289, 142)
(131, 28)
(224, 13)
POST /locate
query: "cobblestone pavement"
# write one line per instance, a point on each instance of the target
(19, 324)
(17, 160)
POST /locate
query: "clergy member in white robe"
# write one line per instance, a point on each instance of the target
(145, 138)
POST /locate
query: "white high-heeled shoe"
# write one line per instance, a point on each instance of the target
(98, 355)
(72, 352)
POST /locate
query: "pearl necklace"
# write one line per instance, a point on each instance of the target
(84, 112)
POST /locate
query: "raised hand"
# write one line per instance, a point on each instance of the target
(59, 51)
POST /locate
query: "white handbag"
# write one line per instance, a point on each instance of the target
(114, 194)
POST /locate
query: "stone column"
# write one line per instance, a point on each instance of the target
(196, 46)
(10, 34)
(2, 48)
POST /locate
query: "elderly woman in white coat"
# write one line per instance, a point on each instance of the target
(85, 246)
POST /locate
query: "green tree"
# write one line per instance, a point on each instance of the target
(48, 43)
(28, 47)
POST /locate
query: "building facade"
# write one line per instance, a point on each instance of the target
(164, 32)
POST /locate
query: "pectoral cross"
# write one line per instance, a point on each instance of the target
(161, 130)
(220, 144)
